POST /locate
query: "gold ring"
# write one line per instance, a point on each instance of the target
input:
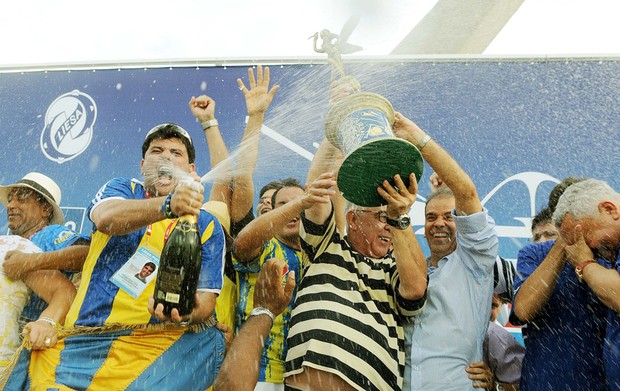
(47, 341)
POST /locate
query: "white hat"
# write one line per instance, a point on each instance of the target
(42, 185)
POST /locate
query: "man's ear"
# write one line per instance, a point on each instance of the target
(609, 208)
(48, 210)
(351, 216)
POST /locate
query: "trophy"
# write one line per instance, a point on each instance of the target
(360, 125)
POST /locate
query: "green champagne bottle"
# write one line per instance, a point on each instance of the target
(179, 267)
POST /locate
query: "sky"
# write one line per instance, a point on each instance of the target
(78, 32)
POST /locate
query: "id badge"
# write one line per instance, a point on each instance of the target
(139, 270)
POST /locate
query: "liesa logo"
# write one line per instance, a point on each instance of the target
(69, 122)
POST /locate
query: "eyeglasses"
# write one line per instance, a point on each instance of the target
(381, 215)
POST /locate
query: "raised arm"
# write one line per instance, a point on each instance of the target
(328, 159)
(250, 240)
(538, 287)
(463, 188)
(605, 283)
(203, 108)
(410, 260)
(258, 97)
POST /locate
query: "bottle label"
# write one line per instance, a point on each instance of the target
(170, 283)
(172, 297)
(139, 270)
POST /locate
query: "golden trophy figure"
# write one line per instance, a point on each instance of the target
(360, 125)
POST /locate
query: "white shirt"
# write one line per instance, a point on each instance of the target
(13, 298)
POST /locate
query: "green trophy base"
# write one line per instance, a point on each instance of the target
(364, 169)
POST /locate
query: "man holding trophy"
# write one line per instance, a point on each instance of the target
(347, 327)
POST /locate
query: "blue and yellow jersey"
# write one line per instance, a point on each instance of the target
(98, 300)
(51, 238)
(274, 353)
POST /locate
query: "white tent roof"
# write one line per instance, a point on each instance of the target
(71, 31)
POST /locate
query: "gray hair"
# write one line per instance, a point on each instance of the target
(440, 192)
(581, 200)
(348, 205)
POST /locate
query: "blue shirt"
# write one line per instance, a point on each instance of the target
(99, 301)
(448, 334)
(611, 350)
(51, 238)
(564, 342)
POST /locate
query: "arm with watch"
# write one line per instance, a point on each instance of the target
(604, 282)
(410, 260)
(239, 371)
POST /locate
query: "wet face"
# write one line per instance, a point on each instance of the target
(439, 226)
(599, 232)
(160, 153)
(369, 233)
(285, 195)
(27, 211)
(544, 232)
(264, 203)
(146, 271)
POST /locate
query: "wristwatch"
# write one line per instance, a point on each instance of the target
(401, 222)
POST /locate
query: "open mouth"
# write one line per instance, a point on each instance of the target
(164, 174)
(385, 239)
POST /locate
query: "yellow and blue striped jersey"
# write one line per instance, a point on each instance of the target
(274, 352)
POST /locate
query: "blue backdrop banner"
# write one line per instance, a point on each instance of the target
(516, 126)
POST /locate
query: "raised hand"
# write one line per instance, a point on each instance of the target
(407, 129)
(269, 291)
(400, 199)
(258, 97)
(320, 191)
(203, 108)
(578, 251)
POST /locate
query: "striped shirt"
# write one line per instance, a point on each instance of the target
(348, 313)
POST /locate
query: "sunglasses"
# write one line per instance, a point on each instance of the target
(176, 128)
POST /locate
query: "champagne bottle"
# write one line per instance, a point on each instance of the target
(179, 267)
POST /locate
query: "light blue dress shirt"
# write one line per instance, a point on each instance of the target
(448, 334)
